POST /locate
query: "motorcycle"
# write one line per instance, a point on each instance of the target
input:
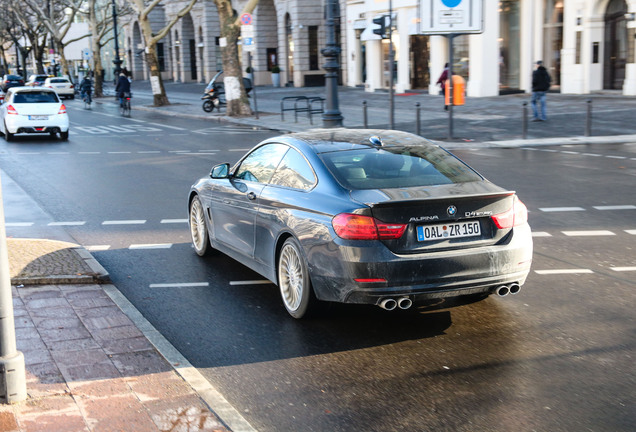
(214, 94)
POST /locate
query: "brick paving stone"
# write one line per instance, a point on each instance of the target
(40, 292)
(79, 358)
(116, 333)
(45, 303)
(8, 422)
(106, 322)
(100, 388)
(126, 345)
(60, 311)
(131, 415)
(73, 345)
(104, 370)
(49, 323)
(52, 414)
(98, 311)
(185, 413)
(157, 386)
(82, 303)
(36, 356)
(64, 334)
(140, 363)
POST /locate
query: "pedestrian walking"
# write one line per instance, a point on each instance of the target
(540, 85)
(442, 83)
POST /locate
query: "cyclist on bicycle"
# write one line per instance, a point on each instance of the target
(123, 87)
(86, 88)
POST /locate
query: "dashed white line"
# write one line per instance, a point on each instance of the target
(592, 154)
(569, 152)
(172, 221)
(151, 246)
(68, 223)
(148, 152)
(541, 234)
(180, 285)
(97, 248)
(561, 209)
(590, 233)
(124, 222)
(251, 282)
(632, 232)
(238, 149)
(616, 207)
(169, 127)
(563, 271)
(623, 269)
(119, 152)
(91, 153)
(616, 157)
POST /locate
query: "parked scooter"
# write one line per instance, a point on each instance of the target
(214, 95)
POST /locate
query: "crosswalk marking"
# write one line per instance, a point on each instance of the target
(563, 271)
(588, 233)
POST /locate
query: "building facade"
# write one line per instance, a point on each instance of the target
(587, 45)
(287, 34)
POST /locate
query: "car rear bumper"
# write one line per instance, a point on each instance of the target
(21, 124)
(423, 276)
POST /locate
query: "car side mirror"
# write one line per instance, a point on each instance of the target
(220, 171)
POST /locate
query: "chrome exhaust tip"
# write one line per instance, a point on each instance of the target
(405, 303)
(388, 304)
(502, 291)
(515, 288)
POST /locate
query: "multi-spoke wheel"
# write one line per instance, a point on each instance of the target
(198, 228)
(293, 279)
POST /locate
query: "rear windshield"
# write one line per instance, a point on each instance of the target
(35, 97)
(59, 80)
(14, 77)
(397, 167)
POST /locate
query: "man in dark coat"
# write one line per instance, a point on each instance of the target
(123, 86)
(540, 85)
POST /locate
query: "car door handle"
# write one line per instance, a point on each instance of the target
(251, 196)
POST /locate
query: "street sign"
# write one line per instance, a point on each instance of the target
(451, 16)
(247, 31)
(246, 19)
(248, 43)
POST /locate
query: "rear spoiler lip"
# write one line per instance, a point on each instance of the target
(443, 198)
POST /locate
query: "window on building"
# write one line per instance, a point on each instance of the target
(509, 44)
(313, 47)
(161, 57)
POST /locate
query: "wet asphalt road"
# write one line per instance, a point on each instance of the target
(559, 356)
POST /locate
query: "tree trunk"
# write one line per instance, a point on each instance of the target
(237, 102)
(159, 92)
(98, 72)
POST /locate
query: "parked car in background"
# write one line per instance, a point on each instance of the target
(36, 80)
(1, 96)
(63, 86)
(33, 110)
(9, 81)
(376, 217)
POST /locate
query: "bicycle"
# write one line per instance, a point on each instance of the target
(124, 105)
(87, 98)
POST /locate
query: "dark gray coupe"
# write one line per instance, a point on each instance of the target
(363, 216)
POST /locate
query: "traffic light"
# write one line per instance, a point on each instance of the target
(381, 21)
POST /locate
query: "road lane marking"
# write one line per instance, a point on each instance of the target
(592, 154)
(180, 285)
(238, 149)
(149, 152)
(623, 269)
(561, 209)
(541, 234)
(173, 221)
(169, 127)
(119, 152)
(91, 153)
(616, 207)
(563, 271)
(588, 233)
(151, 246)
(570, 152)
(68, 223)
(97, 248)
(124, 222)
(616, 157)
(251, 282)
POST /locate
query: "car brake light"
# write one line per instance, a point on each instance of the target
(357, 227)
(517, 215)
(72, 86)
(11, 110)
(62, 109)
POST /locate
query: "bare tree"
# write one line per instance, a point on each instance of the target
(33, 28)
(58, 18)
(143, 10)
(237, 102)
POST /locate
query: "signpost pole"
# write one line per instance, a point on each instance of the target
(391, 66)
(450, 86)
(249, 65)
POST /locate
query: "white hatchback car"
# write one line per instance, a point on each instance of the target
(63, 86)
(33, 110)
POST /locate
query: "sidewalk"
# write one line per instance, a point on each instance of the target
(490, 121)
(93, 363)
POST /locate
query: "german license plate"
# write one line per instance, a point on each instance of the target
(448, 231)
(38, 117)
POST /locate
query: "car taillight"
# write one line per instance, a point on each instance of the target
(72, 86)
(62, 109)
(517, 215)
(11, 110)
(357, 227)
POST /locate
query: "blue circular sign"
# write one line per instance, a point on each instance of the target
(451, 3)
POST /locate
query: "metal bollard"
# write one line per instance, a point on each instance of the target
(417, 118)
(524, 121)
(364, 115)
(588, 119)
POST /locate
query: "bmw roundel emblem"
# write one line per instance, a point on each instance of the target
(451, 210)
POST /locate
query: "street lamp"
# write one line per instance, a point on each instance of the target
(332, 116)
(117, 60)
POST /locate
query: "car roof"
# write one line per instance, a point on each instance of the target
(341, 139)
(30, 89)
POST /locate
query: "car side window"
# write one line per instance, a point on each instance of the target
(259, 166)
(294, 172)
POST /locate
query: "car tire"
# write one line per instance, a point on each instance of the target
(8, 136)
(199, 228)
(64, 136)
(293, 280)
